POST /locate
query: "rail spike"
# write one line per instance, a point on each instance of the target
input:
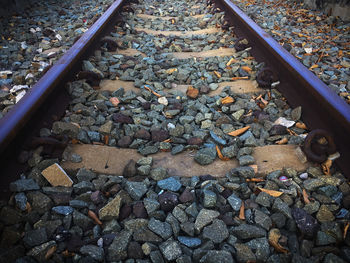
(317, 151)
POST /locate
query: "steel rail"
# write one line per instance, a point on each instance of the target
(322, 108)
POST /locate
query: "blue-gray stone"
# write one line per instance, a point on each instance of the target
(22, 185)
(246, 135)
(136, 189)
(235, 202)
(21, 201)
(63, 210)
(217, 139)
(343, 213)
(177, 149)
(94, 136)
(328, 190)
(191, 242)
(205, 156)
(170, 184)
(78, 203)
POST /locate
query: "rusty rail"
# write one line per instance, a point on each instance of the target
(322, 107)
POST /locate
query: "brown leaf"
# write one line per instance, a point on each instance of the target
(94, 217)
(220, 154)
(282, 141)
(239, 78)
(305, 197)
(115, 101)
(153, 92)
(326, 166)
(346, 228)
(171, 70)
(227, 100)
(313, 66)
(274, 236)
(232, 60)
(241, 212)
(247, 69)
(255, 180)
(192, 92)
(239, 131)
(301, 125)
(105, 139)
(271, 192)
(50, 252)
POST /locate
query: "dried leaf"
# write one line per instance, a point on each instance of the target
(239, 131)
(167, 140)
(274, 236)
(105, 139)
(271, 192)
(220, 154)
(301, 125)
(153, 92)
(227, 100)
(313, 66)
(326, 166)
(50, 252)
(173, 21)
(255, 180)
(305, 197)
(115, 101)
(94, 217)
(217, 74)
(239, 78)
(67, 254)
(247, 69)
(292, 132)
(171, 70)
(282, 141)
(241, 212)
(192, 92)
(232, 60)
(346, 228)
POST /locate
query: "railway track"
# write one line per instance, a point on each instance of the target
(184, 100)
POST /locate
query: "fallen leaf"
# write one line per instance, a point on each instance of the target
(305, 197)
(171, 70)
(220, 154)
(239, 131)
(227, 100)
(346, 228)
(153, 92)
(274, 236)
(292, 132)
(217, 74)
(241, 212)
(232, 60)
(301, 125)
(313, 66)
(282, 141)
(239, 78)
(192, 92)
(50, 252)
(255, 180)
(246, 69)
(105, 139)
(115, 101)
(94, 217)
(271, 192)
(326, 166)
(167, 140)
(67, 254)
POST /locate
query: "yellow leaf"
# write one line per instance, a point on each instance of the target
(313, 66)
(227, 100)
(271, 192)
(220, 154)
(217, 74)
(232, 60)
(171, 70)
(247, 69)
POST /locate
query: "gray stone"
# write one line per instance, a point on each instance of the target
(39, 201)
(244, 253)
(242, 171)
(177, 149)
(158, 173)
(65, 128)
(264, 199)
(162, 229)
(97, 253)
(136, 189)
(21, 201)
(235, 202)
(313, 184)
(171, 250)
(180, 214)
(205, 156)
(282, 207)
(245, 231)
(261, 219)
(156, 257)
(204, 218)
(215, 256)
(82, 220)
(148, 150)
(191, 242)
(35, 237)
(144, 170)
(261, 247)
(171, 184)
(151, 205)
(118, 249)
(209, 198)
(216, 232)
(85, 175)
(24, 185)
(230, 151)
(63, 210)
(246, 160)
(331, 258)
(323, 239)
